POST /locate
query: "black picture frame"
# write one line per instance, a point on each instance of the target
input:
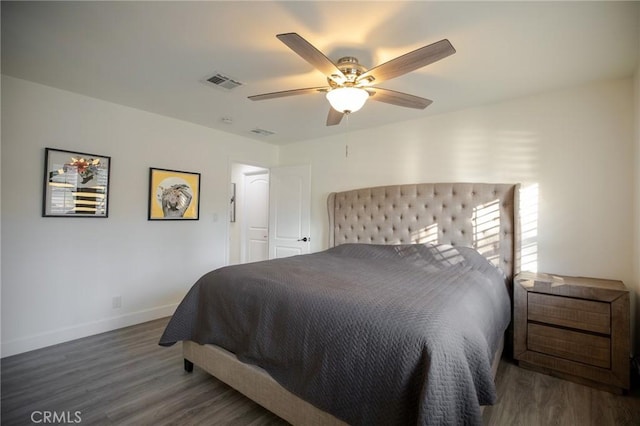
(75, 184)
(232, 207)
(173, 195)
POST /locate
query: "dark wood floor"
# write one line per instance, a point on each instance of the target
(124, 378)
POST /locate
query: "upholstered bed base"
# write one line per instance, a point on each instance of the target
(479, 215)
(257, 385)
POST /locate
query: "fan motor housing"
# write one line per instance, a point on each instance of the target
(351, 69)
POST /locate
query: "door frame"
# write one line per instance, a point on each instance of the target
(230, 165)
(230, 179)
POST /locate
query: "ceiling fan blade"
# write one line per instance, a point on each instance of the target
(312, 55)
(408, 62)
(334, 117)
(398, 98)
(284, 93)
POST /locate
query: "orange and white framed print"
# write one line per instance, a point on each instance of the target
(173, 195)
(76, 184)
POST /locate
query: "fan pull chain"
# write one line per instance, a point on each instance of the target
(346, 147)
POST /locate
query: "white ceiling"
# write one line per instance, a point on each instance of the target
(156, 56)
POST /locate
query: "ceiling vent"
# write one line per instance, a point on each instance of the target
(262, 132)
(224, 81)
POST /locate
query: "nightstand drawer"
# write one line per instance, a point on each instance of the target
(569, 312)
(572, 345)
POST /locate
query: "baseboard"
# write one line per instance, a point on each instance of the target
(61, 335)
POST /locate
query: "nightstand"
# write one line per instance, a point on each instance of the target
(574, 328)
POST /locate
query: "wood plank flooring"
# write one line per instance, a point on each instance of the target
(527, 398)
(124, 378)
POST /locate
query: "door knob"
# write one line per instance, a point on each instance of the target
(305, 239)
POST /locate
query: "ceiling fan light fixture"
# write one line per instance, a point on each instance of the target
(347, 99)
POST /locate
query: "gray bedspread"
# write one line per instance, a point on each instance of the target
(373, 334)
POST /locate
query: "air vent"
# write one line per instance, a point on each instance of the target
(262, 132)
(224, 81)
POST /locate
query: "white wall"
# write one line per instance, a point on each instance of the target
(59, 275)
(580, 146)
(576, 145)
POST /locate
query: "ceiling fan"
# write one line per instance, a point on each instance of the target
(350, 84)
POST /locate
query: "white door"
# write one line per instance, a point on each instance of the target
(289, 211)
(256, 219)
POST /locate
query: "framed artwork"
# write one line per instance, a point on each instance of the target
(232, 210)
(76, 184)
(173, 195)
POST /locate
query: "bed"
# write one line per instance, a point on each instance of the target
(380, 357)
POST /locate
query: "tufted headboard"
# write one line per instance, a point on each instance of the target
(479, 215)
